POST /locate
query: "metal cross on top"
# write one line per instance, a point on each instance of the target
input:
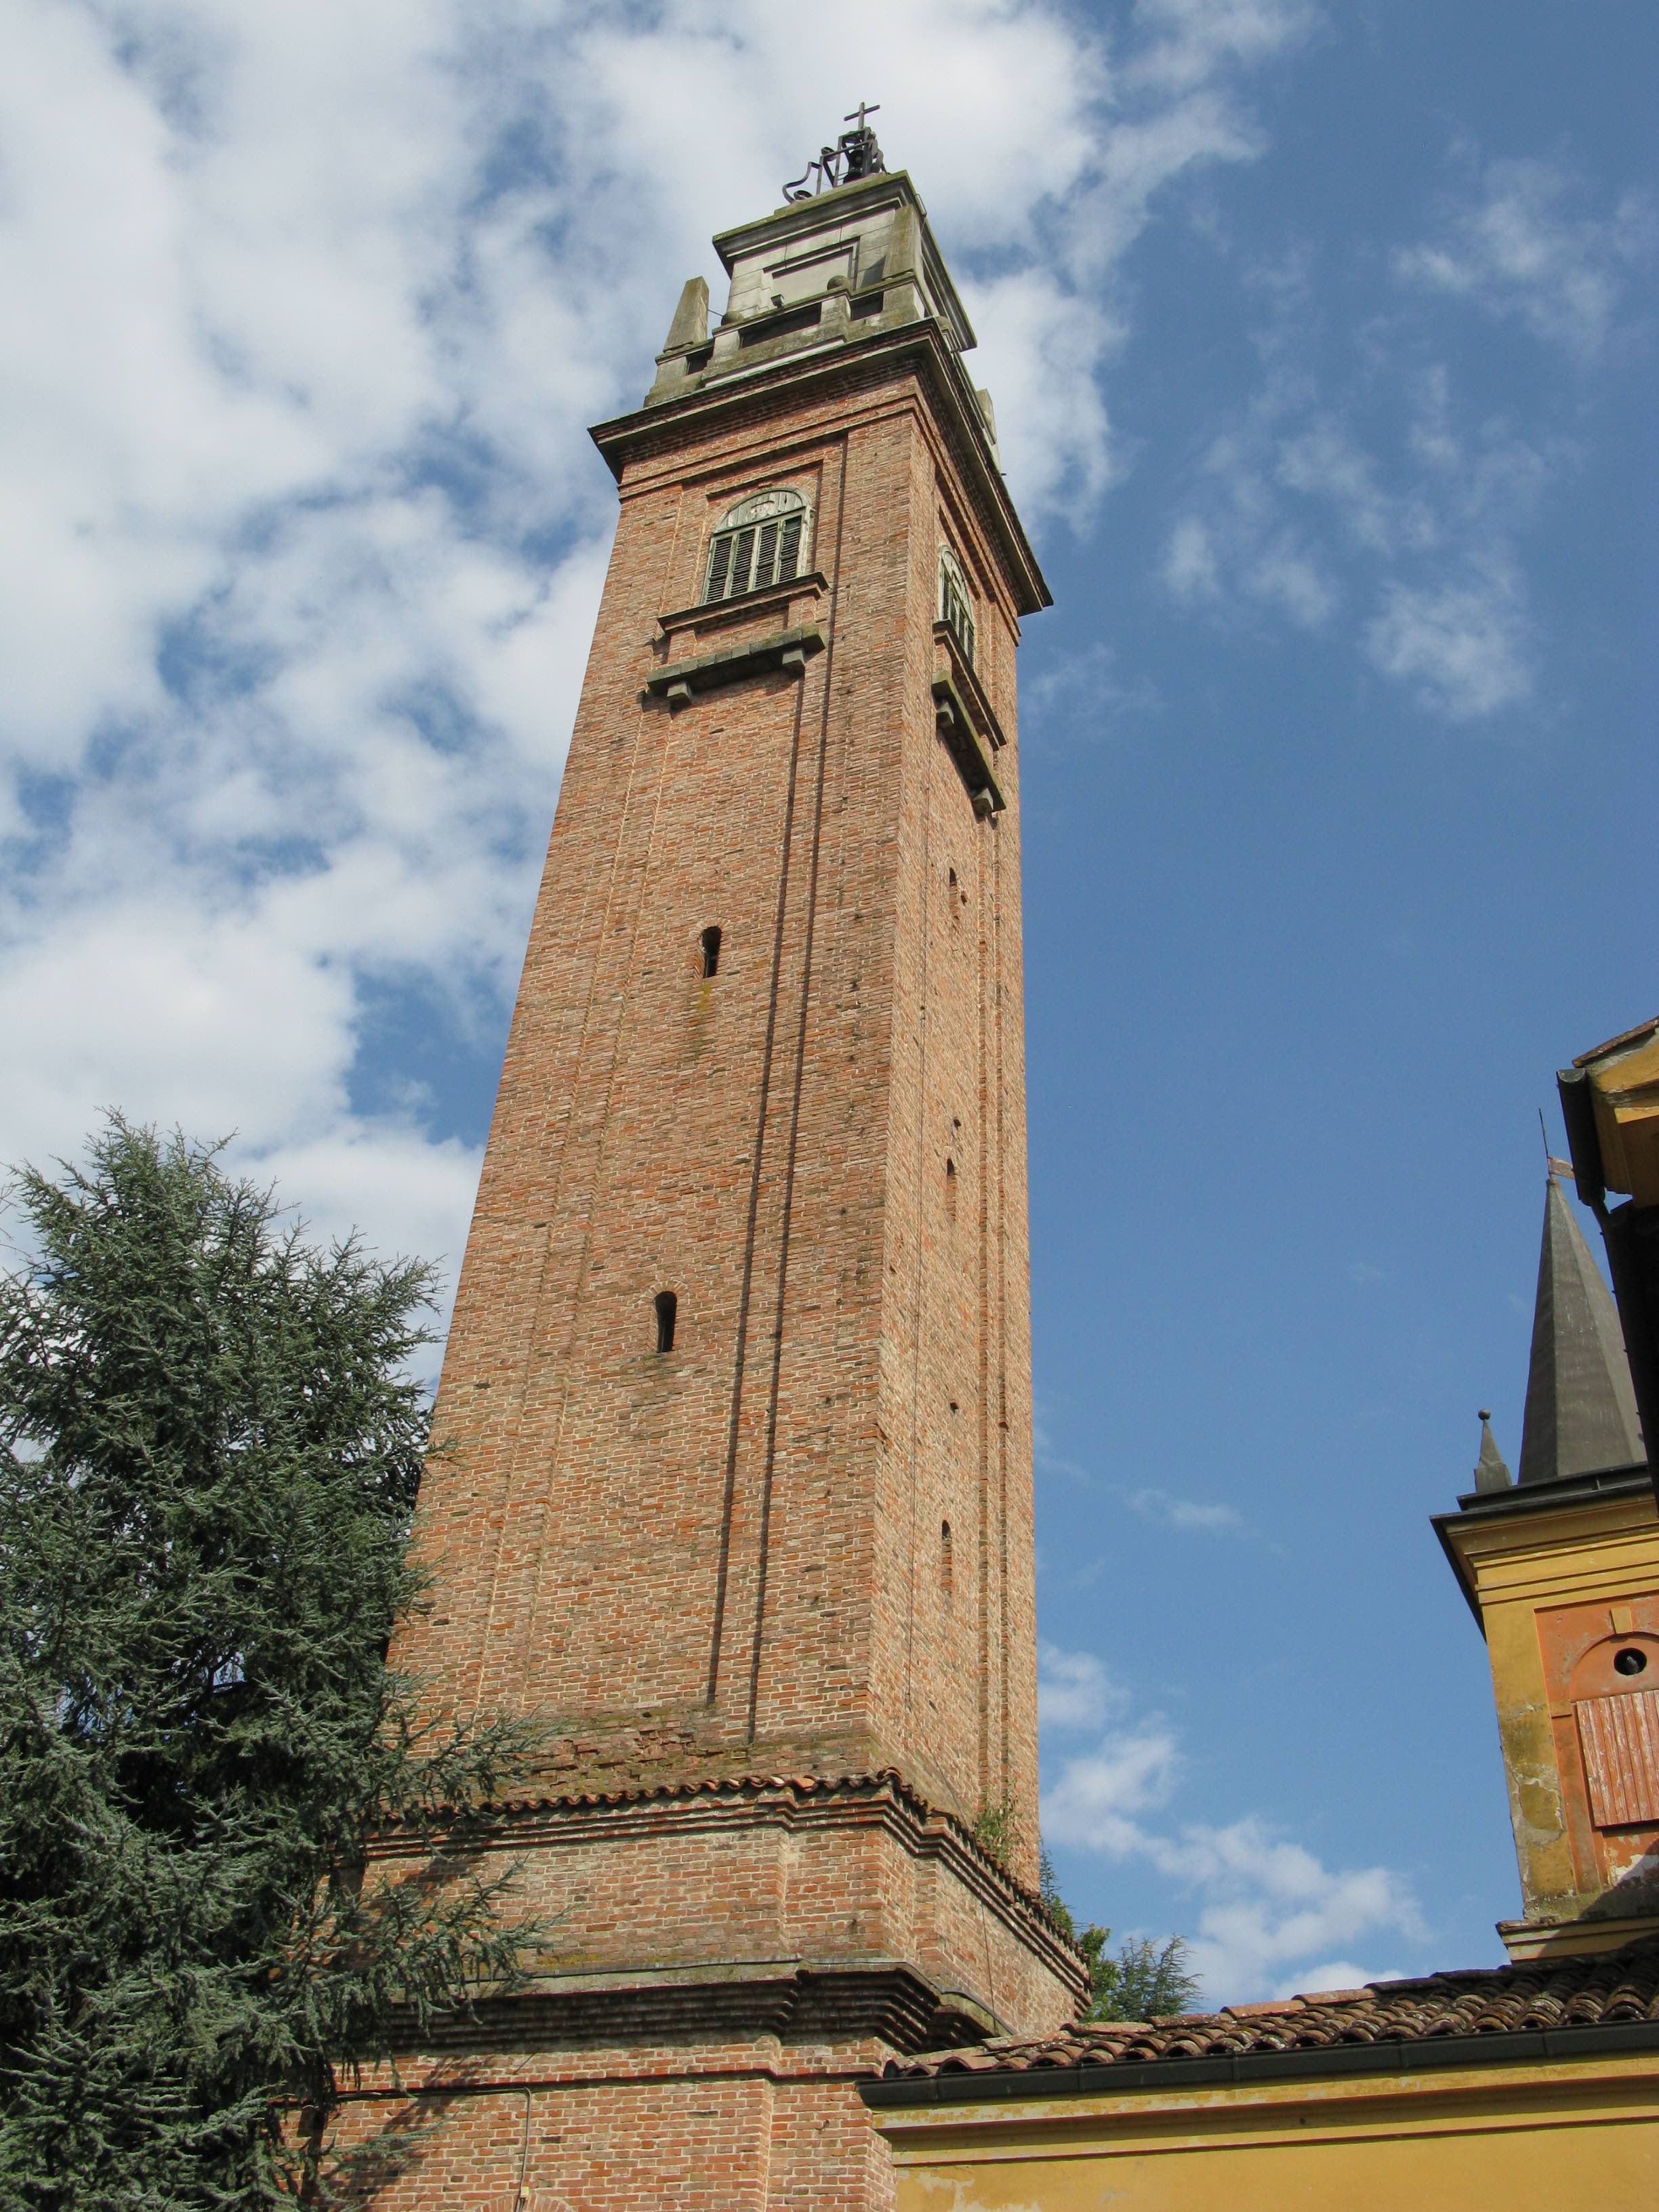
(855, 154)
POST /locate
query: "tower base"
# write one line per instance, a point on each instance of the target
(757, 2125)
(731, 1958)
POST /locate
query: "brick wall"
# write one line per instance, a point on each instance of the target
(743, 2127)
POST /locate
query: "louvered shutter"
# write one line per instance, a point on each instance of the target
(720, 568)
(1619, 1738)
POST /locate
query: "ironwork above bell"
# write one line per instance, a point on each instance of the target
(855, 154)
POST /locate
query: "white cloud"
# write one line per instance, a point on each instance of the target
(1093, 1802)
(1190, 566)
(1192, 39)
(1331, 1974)
(308, 310)
(1516, 248)
(1041, 348)
(1174, 109)
(1411, 541)
(1465, 645)
(1085, 692)
(1186, 1513)
(1269, 1903)
(1324, 462)
(1270, 1912)
(1073, 1689)
(1286, 574)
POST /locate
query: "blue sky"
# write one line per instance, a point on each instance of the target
(1319, 337)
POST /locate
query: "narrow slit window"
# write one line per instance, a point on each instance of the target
(947, 1564)
(665, 1306)
(763, 540)
(956, 608)
(711, 951)
(950, 1190)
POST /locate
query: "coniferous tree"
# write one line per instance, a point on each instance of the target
(1142, 1980)
(209, 1448)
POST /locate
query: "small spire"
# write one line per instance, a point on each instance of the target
(690, 325)
(1581, 1408)
(1491, 1472)
(903, 257)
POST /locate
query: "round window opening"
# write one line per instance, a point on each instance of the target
(1630, 1660)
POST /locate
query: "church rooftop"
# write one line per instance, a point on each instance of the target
(1545, 2008)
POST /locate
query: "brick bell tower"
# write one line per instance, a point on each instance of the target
(736, 1496)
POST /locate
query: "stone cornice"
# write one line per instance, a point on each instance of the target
(788, 649)
(884, 1999)
(1544, 1533)
(920, 348)
(965, 677)
(956, 726)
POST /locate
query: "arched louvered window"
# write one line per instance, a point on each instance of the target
(956, 608)
(764, 539)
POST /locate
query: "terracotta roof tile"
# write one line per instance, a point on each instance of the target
(1602, 1989)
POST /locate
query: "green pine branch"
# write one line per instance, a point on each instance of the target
(1141, 1980)
(210, 1446)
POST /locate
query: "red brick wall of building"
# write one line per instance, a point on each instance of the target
(743, 2127)
(729, 1562)
(764, 1506)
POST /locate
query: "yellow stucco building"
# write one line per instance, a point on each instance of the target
(1533, 2086)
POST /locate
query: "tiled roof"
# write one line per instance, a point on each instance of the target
(886, 1780)
(1609, 1990)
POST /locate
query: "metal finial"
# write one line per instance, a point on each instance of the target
(855, 154)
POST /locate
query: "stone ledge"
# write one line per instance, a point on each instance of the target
(973, 691)
(882, 1999)
(956, 726)
(1530, 1942)
(681, 681)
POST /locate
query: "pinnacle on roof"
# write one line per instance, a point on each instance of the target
(1581, 1409)
(1490, 1471)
